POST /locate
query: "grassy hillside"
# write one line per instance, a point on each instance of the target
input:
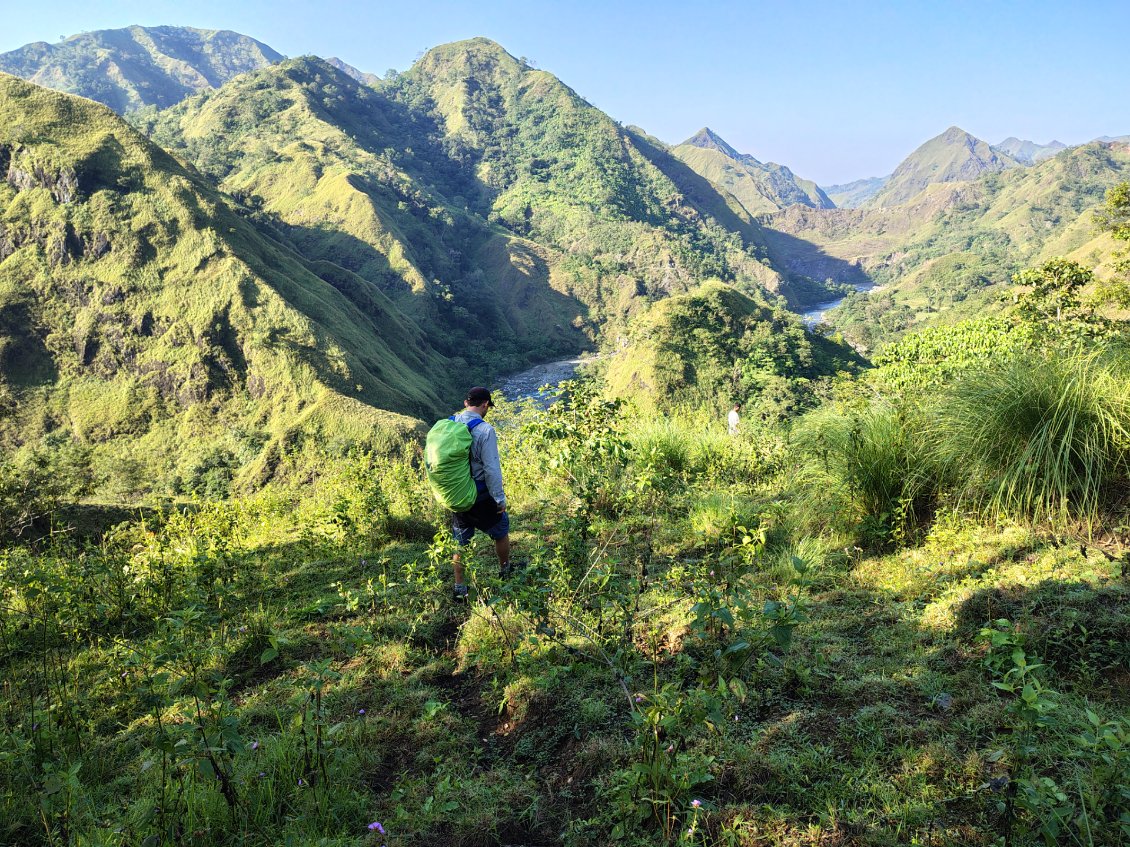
(716, 346)
(951, 250)
(345, 175)
(703, 649)
(143, 317)
(139, 66)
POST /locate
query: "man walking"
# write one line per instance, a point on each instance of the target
(489, 512)
(734, 419)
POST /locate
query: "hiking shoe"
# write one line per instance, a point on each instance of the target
(459, 593)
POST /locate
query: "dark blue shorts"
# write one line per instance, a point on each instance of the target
(484, 517)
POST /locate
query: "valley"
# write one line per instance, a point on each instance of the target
(885, 605)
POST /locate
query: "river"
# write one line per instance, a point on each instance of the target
(527, 383)
(816, 314)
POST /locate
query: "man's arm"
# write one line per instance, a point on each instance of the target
(492, 467)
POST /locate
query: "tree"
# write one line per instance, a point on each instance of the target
(1051, 291)
(1114, 218)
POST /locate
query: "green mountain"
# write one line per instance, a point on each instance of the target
(759, 187)
(953, 156)
(1029, 152)
(350, 178)
(139, 66)
(331, 262)
(950, 250)
(144, 317)
(716, 345)
(851, 195)
(484, 196)
(634, 221)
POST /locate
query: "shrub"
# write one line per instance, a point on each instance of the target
(879, 453)
(1042, 439)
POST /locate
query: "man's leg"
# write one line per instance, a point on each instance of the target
(463, 535)
(502, 548)
(457, 566)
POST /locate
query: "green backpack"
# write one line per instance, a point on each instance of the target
(447, 462)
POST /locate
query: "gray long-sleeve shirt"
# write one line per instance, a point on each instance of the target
(485, 464)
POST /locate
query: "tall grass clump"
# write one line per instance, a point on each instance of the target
(1041, 439)
(878, 456)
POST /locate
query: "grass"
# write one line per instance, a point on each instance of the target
(351, 690)
(1042, 438)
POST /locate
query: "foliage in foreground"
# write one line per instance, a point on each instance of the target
(675, 665)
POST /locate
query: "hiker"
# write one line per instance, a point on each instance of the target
(734, 418)
(488, 514)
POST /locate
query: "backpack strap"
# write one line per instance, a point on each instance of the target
(471, 424)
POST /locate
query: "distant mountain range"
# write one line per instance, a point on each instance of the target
(139, 66)
(759, 187)
(952, 246)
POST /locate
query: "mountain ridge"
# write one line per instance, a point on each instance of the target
(133, 67)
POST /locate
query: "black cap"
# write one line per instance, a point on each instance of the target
(477, 396)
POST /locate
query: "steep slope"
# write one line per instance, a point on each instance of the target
(949, 250)
(634, 222)
(139, 66)
(142, 316)
(759, 187)
(851, 195)
(953, 156)
(347, 176)
(1029, 152)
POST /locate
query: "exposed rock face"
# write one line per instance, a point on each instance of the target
(22, 172)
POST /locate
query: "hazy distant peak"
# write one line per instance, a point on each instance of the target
(1029, 152)
(360, 76)
(953, 156)
(139, 66)
(850, 195)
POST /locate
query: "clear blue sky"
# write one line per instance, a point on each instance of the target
(835, 90)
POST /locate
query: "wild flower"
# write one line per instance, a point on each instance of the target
(696, 803)
(375, 826)
(639, 698)
(254, 745)
(360, 711)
